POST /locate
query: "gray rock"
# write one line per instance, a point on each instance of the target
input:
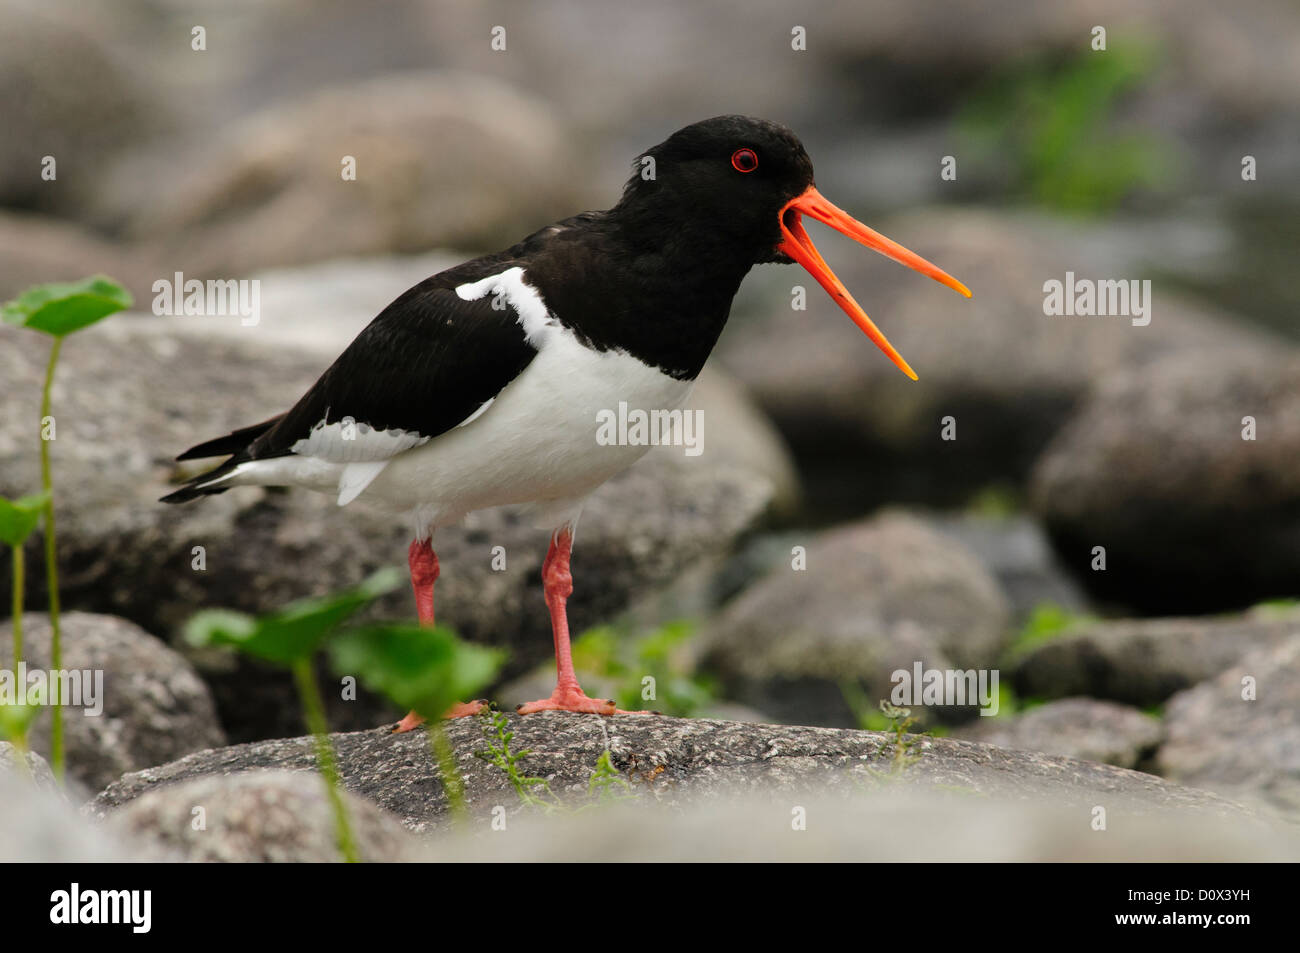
(1155, 469)
(896, 826)
(1016, 551)
(1009, 375)
(1241, 82)
(876, 596)
(677, 762)
(66, 95)
(1247, 749)
(1082, 728)
(38, 825)
(36, 249)
(154, 706)
(257, 816)
(738, 435)
(271, 192)
(28, 766)
(1144, 661)
(130, 395)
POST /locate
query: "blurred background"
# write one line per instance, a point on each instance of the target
(1074, 435)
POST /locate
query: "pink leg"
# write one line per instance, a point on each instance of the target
(558, 583)
(424, 573)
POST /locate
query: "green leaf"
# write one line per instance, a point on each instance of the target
(60, 308)
(424, 669)
(16, 721)
(292, 633)
(19, 517)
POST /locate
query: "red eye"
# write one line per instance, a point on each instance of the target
(744, 160)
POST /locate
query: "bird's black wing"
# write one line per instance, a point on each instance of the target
(424, 365)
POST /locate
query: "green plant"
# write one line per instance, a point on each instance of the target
(1050, 123)
(867, 716)
(59, 310)
(290, 638)
(603, 785)
(661, 655)
(1275, 608)
(17, 520)
(606, 783)
(905, 746)
(497, 733)
(15, 721)
(995, 501)
(1048, 621)
(903, 750)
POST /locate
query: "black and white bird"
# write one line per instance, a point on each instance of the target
(483, 385)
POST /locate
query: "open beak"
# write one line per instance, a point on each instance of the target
(796, 243)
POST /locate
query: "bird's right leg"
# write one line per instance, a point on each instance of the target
(423, 563)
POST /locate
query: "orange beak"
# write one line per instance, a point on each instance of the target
(796, 243)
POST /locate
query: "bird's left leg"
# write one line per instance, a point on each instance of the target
(557, 581)
(423, 563)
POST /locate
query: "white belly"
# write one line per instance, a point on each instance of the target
(537, 441)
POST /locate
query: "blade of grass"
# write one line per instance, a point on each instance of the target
(314, 709)
(52, 571)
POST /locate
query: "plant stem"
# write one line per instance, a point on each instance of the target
(52, 571)
(313, 709)
(19, 572)
(445, 757)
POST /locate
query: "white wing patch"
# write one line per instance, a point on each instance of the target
(509, 286)
(346, 441)
(362, 449)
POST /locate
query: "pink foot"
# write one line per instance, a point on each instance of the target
(569, 699)
(575, 699)
(458, 710)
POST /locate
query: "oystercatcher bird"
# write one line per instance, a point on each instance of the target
(481, 386)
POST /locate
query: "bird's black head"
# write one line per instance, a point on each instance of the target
(727, 193)
(721, 181)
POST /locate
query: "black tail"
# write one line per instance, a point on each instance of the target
(230, 443)
(233, 443)
(193, 489)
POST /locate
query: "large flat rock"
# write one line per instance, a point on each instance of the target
(679, 761)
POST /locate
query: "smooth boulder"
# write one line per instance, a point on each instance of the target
(256, 817)
(1239, 733)
(1143, 662)
(853, 605)
(1082, 728)
(1186, 476)
(152, 705)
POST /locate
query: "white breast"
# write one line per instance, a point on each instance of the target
(537, 442)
